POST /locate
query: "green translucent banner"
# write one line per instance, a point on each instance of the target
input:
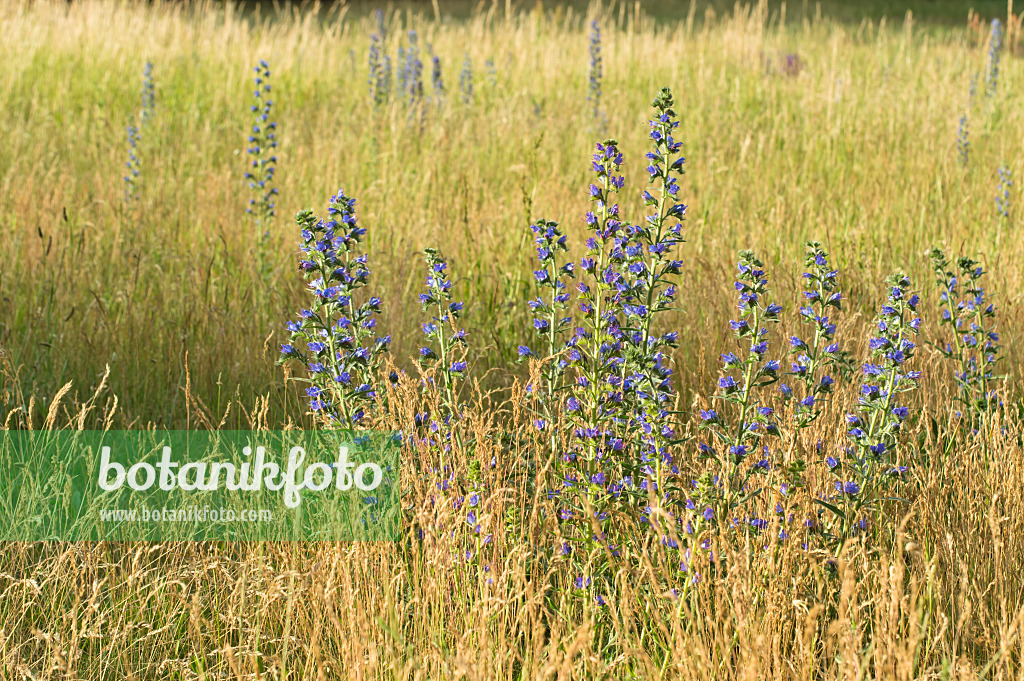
(199, 486)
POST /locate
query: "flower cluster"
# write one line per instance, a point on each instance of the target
(973, 343)
(335, 338)
(262, 154)
(594, 87)
(963, 145)
(995, 48)
(411, 71)
(380, 72)
(446, 348)
(436, 79)
(646, 258)
(596, 347)
(592, 469)
(876, 431)
(816, 360)
(745, 377)
(492, 73)
(133, 164)
(466, 80)
(148, 98)
(1003, 192)
(551, 320)
(870, 466)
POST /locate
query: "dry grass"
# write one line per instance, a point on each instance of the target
(935, 592)
(857, 151)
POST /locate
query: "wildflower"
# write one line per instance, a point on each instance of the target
(747, 375)
(380, 72)
(822, 352)
(262, 141)
(436, 78)
(973, 344)
(447, 337)
(876, 432)
(412, 72)
(1003, 192)
(848, 487)
(133, 164)
(962, 143)
(148, 98)
(337, 332)
(551, 310)
(466, 80)
(594, 87)
(995, 48)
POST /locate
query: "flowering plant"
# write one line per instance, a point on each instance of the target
(335, 338)
(973, 343)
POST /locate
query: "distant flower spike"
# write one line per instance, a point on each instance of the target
(262, 153)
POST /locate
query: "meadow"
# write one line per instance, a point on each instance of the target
(168, 310)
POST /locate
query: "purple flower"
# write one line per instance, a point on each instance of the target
(709, 415)
(849, 487)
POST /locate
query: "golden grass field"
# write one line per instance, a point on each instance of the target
(157, 316)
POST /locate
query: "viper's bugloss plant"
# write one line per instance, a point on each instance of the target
(445, 353)
(594, 86)
(335, 339)
(443, 359)
(262, 155)
(871, 466)
(1003, 193)
(818, 356)
(466, 80)
(133, 164)
(411, 71)
(995, 49)
(380, 72)
(596, 346)
(492, 73)
(592, 466)
(551, 320)
(147, 102)
(963, 144)
(436, 78)
(972, 344)
(741, 418)
(148, 98)
(646, 257)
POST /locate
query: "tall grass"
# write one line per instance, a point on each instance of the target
(858, 152)
(163, 317)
